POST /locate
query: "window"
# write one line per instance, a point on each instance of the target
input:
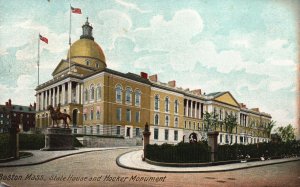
(98, 92)
(194, 125)
(190, 127)
(84, 117)
(118, 93)
(137, 98)
(185, 124)
(221, 138)
(156, 119)
(118, 130)
(176, 106)
(175, 135)
(84, 129)
(137, 116)
(128, 95)
(137, 132)
(98, 114)
(167, 103)
(87, 63)
(156, 102)
(97, 65)
(98, 129)
(92, 114)
(128, 132)
(128, 115)
(166, 134)
(119, 114)
(91, 129)
(167, 121)
(176, 122)
(92, 92)
(220, 114)
(241, 139)
(86, 95)
(155, 134)
(227, 139)
(198, 126)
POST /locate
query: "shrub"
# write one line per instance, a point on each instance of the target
(31, 141)
(180, 153)
(5, 151)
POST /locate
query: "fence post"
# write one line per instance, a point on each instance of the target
(213, 144)
(146, 135)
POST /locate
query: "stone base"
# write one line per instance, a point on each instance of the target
(57, 139)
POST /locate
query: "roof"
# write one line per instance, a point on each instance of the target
(20, 108)
(215, 94)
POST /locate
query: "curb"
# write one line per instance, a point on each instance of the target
(210, 171)
(54, 158)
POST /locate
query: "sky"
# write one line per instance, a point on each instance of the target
(246, 47)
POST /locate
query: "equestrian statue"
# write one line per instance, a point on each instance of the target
(57, 115)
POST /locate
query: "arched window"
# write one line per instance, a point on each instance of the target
(156, 119)
(86, 95)
(137, 98)
(118, 93)
(167, 103)
(167, 121)
(176, 106)
(98, 92)
(92, 113)
(176, 122)
(92, 92)
(156, 102)
(128, 95)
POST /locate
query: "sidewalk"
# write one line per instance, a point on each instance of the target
(40, 157)
(133, 160)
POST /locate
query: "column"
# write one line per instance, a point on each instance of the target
(63, 94)
(191, 112)
(46, 99)
(196, 109)
(77, 92)
(81, 93)
(43, 100)
(57, 95)
(186, 108)
(37, 101)
(69, 92)
(53, 96)
(199, 112)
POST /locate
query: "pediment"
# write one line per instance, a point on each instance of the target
(227, 98)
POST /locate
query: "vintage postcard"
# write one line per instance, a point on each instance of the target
(149, 93)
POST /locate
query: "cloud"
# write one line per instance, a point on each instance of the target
(131, 6)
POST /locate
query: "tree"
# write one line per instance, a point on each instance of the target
(210, 119)
(286, 133)
(269, 127)
(230, 123)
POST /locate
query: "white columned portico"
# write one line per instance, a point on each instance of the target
(69, 92)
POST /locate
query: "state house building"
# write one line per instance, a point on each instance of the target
(102, 101)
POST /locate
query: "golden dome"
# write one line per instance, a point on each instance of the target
(86, 48)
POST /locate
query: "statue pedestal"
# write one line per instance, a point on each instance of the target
(57, 139)
(213, 144)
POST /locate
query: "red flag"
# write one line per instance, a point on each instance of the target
(44, 39)
(76, 10)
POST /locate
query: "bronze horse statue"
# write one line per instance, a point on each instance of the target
(57, 115)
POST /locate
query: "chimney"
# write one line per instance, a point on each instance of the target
(172, 83)
(9, 102)
(197, 91)
(144, 75)
(34, 105)
(153, 78)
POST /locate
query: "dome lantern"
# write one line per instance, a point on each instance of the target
(87, 30)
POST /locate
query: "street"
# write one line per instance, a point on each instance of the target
(99, 169)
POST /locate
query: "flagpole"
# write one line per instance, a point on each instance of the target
(70, 42)
(38, 61)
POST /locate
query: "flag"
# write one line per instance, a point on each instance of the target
(76, 10)
(44, 39)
